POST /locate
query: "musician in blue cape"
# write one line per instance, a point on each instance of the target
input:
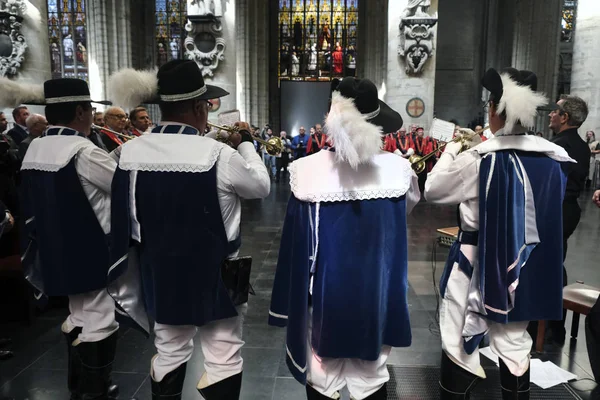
(340, 287)
(177, 197)
(506, 267)
(66, 186)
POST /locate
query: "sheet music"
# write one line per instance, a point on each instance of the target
(442, 130)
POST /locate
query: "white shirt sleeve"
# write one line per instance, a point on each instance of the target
(245, 173)
(413, 196)
(454, 179)
(97, 167)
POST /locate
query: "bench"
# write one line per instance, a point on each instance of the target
(577, 297)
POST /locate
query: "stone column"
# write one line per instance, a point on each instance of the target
(536, 46)
(400, 87)
(372, 41)
(110, 47)
(585, 77)
(252, 44)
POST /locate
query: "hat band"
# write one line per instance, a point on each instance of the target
(373, 114)
(67, 99)
(183, 96)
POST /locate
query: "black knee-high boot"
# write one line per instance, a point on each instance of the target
(171, 386)
(381, 394)
(312, 394)
(227, 389)
(513, 387)
(456, 383)
(96, 360)
(74, 365)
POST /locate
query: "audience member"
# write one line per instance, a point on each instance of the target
(36, 125)
(19, 132)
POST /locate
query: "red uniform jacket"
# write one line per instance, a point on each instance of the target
(391, 144)
(314, 145)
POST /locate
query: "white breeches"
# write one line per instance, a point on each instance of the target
(94, 312)
(221, 343)
(511, 342)
(329, 375)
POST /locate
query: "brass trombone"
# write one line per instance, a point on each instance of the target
(419, 163)
(273, 146)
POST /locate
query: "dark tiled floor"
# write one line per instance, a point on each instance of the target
(38, 372)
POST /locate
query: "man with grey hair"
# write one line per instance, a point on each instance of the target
(36, 125)
(570, 113)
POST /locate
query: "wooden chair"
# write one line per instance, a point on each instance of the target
(577, 297)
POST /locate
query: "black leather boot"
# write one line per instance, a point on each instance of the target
(96, 360)
(312, 394)
(513, 387)
(74, 365)
(227, 389)
(456, 383)
(171, 385)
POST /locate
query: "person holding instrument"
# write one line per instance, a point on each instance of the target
(509, 191)
(177, 195)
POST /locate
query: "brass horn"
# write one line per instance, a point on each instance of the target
(273, 146)
(121, 135)
(418, 163)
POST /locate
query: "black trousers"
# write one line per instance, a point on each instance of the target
(571, 217)
(422, 178)
(281, 162)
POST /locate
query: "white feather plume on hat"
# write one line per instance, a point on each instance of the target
(13, 93)
(356, 140)
(128, 88)
(519, 102)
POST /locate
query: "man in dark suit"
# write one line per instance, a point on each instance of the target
(36, 125)
(19, 132)
(568, 115)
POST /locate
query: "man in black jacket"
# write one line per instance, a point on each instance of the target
(19, 132)
(570, 113)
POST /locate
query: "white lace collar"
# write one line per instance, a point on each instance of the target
(52, 153)
(170, 153)
(319, 178)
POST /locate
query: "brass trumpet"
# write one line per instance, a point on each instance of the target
(121, 135)
(418, 163)
(273, 146)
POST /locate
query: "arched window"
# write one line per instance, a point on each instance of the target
(317, 39)
(171, 17)
(68, 39)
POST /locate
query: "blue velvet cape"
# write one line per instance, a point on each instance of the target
(64, 249)
(359, 291)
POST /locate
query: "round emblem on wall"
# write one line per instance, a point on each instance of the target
(415, 107)
(216, 104)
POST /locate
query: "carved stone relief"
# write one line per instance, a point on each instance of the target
(416, 36)
(12, 41)
(204, 43)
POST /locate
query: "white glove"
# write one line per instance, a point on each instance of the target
(453, 148)
(398, 152)
(410, 152)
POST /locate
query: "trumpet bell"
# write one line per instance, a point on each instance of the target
(417, 163)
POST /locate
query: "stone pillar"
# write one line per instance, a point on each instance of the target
(109, 50)
(536, 46)
(372, 42)
(585, 77)
(399, 86)
(252, 64)
(35, 68)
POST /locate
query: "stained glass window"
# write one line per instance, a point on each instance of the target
(317, 39)
(568, 20)
(68, 39)
(171, 17)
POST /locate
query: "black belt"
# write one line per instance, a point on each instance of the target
(466, 237)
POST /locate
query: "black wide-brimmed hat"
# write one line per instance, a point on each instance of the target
(180, 80)
(366, 100)
(515, 94)
(68, 90)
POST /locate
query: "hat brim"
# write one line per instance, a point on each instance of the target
(388, 119)
(212, 92)
(38, 103)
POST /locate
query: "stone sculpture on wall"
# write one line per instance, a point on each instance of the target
(12, 41)
(204, 42)
(416, 35)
